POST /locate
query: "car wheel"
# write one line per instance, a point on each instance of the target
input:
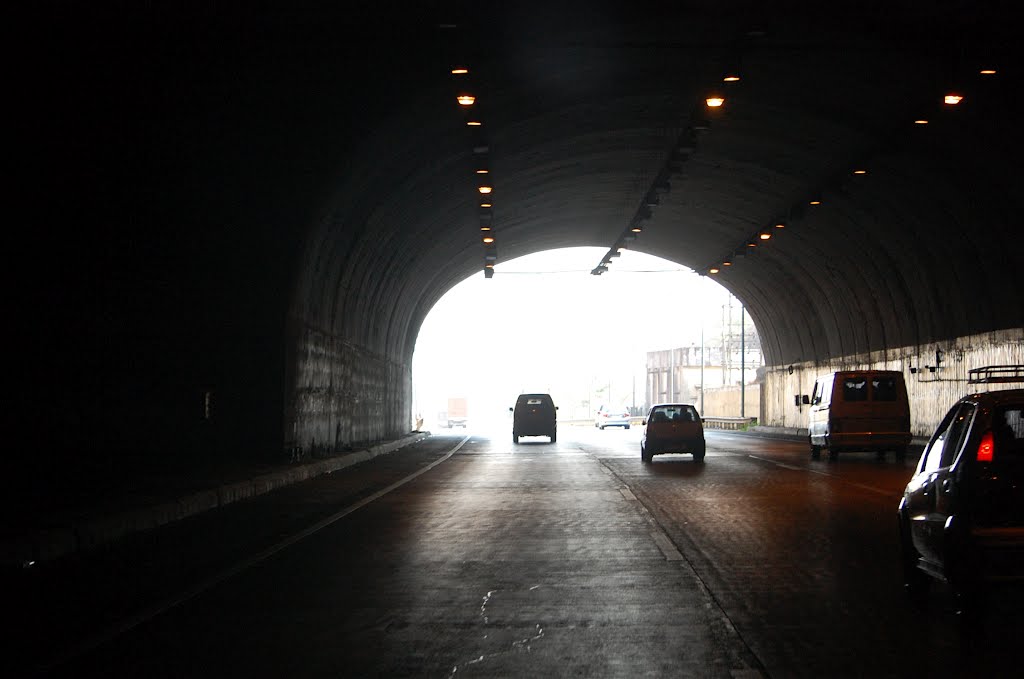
(554, 436)
(698, 458)
(833, 455)
(626, 427)
(515, 438)
(644, 455)
(601, 427)
(815, 452)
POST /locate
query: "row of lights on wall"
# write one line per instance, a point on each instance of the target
(483, 181)
(776, 226)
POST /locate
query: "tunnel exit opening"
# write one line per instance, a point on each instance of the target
(649, 331)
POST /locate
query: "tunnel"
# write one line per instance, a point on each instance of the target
(239, 219)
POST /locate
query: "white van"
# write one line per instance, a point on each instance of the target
(857, 410)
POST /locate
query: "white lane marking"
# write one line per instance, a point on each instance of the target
(666, 546)
(148, 614)
(871, 489)
(628, 494)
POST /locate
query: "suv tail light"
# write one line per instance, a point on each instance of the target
(986, 447)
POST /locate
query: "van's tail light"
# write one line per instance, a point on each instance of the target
(986, 447)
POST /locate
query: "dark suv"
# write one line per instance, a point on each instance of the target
(534, 415)
(962, 514)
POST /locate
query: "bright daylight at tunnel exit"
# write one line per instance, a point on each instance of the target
(625, 340)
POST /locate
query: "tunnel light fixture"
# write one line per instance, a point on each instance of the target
(814, 201)
(484, 189)
(715, 101)
(488, 239)
(987, 71)
(727, 263)
(482, 170)
(460, 70)
(920, 121)
(751, 244)
(491, 256)
(473, 123)
(713, 270)
(764, 235)
(636, 228)
(780, 225)
(731, 78)
(860, 171)
(486, 206)
(488, 272)
(952, 99)
(466, 99)
(485, 227)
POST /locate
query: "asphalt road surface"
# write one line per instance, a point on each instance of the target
(468, 555)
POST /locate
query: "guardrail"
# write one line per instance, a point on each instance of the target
(734, 423)
(728, 422)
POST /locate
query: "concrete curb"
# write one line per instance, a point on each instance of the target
(88, 533)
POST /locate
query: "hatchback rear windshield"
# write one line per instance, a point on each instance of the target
(674, 414)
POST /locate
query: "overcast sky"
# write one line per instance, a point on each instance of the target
(543, 323)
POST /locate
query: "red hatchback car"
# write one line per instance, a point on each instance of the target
(672, 428)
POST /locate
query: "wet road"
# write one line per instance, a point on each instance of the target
(477, 557)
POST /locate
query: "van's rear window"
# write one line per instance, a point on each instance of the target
(883, 389)
(855, 389)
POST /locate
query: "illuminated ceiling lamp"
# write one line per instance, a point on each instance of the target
(460, 70)
(727, 263)
(488, 239)
(714, 101)
(713, 270)
(636, 228)
(764, 235)
(731, 77)
(473, 123)
(466, 99)
(952, 99)
(484, 189)
(987, 71)
(860, 171)
(780, 225)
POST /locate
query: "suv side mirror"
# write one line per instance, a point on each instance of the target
(511, 409)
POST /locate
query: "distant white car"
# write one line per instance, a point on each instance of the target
(611, 417)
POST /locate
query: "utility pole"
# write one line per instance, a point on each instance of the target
(743, 378)
(702, 370)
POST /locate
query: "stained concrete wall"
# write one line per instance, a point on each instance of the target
(931, 393)
(343, 395)
(725, 401)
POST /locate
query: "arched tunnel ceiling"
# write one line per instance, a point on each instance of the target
(582, 116)
(307, 166)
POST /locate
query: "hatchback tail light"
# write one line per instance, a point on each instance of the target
(986, 447)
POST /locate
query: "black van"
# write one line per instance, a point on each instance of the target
(534, 415)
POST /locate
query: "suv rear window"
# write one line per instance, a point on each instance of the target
(1008, 433)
